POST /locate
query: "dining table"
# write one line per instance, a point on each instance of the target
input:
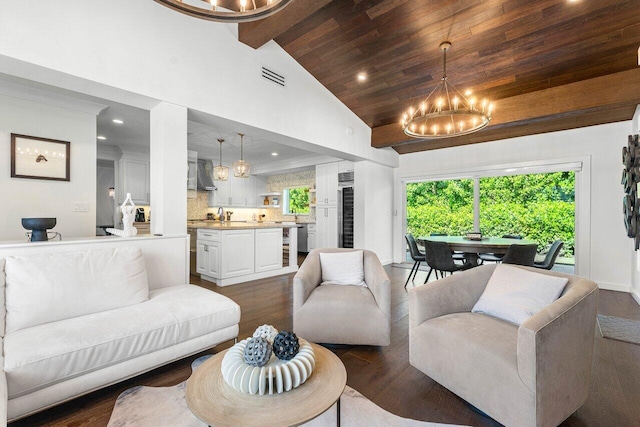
(473, 247)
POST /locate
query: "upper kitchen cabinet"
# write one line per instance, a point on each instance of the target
(327, 184)
(238, 192)
(135, 179)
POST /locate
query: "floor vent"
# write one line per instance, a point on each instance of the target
(273, 77)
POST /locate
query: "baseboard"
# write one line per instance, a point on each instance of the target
(614, 287)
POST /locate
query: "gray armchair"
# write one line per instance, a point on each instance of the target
(537, 374)
(342, 314)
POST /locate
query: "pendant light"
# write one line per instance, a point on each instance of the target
(241, 169)
(220, 173)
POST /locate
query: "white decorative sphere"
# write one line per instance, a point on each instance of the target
(267, 332)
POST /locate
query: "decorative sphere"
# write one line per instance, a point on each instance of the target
(267, 332)
(257, 352)
(286, 345)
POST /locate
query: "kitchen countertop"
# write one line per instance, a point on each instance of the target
(239, 225)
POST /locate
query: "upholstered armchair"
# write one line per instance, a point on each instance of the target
(535, 374)
(342, 314)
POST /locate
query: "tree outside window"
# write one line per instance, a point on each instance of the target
(296, 201)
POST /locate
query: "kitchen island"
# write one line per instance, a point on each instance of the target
(236, 252)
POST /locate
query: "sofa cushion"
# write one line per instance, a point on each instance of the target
(55, 286)
(515, 294)
(342, 268)
(50, 353)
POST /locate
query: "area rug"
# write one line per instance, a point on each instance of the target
(166, 406)
(617, 328)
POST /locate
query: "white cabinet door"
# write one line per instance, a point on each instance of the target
(136, 180)
(202, 260)
(311, 241)
(327, 184)
(268, 249)
(251, 200)
(220, 197)
(213, 267)
(238, 255)
(327, 227)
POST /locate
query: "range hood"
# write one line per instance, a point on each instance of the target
(205, 174)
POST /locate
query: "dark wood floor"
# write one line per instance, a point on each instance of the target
(384, 374)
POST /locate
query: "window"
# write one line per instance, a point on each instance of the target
(296, 201)
(537, 206)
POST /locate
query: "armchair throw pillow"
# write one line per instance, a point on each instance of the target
(342, 268)
(515, 294)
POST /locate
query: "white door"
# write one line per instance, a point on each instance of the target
(327, 227)
(202, 260)
(213, 267)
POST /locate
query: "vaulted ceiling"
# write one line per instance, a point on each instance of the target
(548, 64)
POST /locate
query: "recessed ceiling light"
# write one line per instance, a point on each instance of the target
(118, 121)
(362, 77)
(102, 138)
(274, 154)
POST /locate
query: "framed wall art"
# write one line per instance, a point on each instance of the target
(40, 158)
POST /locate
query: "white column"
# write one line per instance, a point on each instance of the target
(168, 169)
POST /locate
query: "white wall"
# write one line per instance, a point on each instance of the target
(635, 271)
(373, 203)
(147, 49)
(611, 252)
(21, 197)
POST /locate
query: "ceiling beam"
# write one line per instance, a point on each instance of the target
(600, 100)
(257, 33)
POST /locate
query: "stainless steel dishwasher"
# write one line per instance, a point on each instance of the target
(302, 238)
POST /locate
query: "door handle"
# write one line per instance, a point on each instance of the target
(206, 248)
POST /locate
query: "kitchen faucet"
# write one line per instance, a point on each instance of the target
(221, 213)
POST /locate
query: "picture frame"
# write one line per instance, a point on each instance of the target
(40, 158)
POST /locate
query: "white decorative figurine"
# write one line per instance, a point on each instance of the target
(128, 212)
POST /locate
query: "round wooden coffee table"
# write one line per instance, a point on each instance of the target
(214, 402)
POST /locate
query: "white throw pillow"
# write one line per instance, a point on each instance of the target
(515, 294)
(342, 268)
(56, 286)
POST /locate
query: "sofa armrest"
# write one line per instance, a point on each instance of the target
(306, 279)
(457, 293)
(555, 346)
(378, 282)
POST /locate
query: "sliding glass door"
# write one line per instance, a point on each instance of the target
(538, 207)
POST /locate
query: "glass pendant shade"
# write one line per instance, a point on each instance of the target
(220, 173)
(241, 169)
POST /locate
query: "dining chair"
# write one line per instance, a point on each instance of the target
(521, 255)
(440, 259)
(457, 256)
(550, 259)
(416, 255)
(491, 257)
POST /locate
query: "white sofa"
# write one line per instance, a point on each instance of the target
(74, 322)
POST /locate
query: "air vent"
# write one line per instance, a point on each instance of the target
(273, 77)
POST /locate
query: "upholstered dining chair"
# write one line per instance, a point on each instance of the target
(550, 259)
(457, 256)
(440, 259)
(521, 255)
(416, 255)
(491, 257)
(332, 313)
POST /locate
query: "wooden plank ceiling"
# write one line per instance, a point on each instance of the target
(548, 64)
